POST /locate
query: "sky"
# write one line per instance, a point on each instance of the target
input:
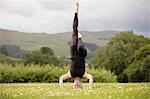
(54, 16)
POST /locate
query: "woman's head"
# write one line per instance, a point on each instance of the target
(77, 82)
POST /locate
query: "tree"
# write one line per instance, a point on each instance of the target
(98, 57)
(47, 50)
(119, 53)
(43, 56)
(139, 69)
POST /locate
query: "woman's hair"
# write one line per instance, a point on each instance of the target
(77, 82)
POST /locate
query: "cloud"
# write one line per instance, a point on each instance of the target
(54, 16)
(57, 5)
(24, 8)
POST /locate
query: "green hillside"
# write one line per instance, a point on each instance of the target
(58, 42)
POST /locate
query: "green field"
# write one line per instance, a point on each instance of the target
(52, 91)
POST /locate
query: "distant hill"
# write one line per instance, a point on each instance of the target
(58, 42)
(12, 51)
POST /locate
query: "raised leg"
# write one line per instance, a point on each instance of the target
(74, 39)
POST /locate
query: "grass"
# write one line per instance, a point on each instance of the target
(52, 91)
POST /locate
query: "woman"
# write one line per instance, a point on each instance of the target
(78, 54)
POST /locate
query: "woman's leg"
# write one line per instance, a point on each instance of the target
(63, 77)
(74, 39)
(90, 78)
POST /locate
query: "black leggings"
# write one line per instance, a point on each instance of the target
(75, 42)
(77, 63)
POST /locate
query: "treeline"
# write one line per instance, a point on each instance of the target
(12, 54)
(127, 55)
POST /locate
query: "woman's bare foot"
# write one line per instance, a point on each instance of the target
(77, 7)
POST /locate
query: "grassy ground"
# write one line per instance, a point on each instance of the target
(52, 91)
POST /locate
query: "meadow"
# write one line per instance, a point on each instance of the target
(52, 91)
